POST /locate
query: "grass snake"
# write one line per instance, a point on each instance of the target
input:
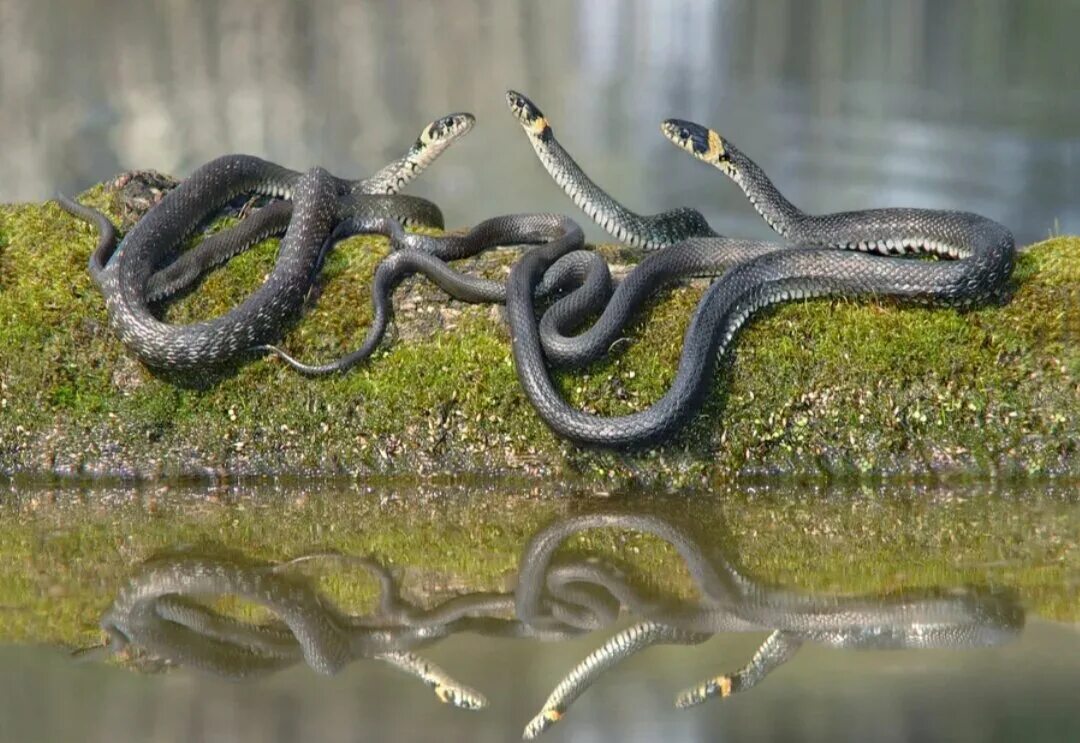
(131, 275)
(842, 254)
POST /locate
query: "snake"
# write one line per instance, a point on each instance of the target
(579, 274)
(648, 232)
(732, 602)
(845, 254)
(124, 272)
(582, 275)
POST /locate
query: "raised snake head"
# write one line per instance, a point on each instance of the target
(531, 117)
(704, 144)
(447, 129)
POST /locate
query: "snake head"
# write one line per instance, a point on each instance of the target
(447, 129)
(704, 144)
(531, 117)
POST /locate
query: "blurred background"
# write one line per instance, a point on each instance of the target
(966, 104)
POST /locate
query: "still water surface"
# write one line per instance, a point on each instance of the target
(888, 613)
(966, 104)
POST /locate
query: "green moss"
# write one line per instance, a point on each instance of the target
(819, 389)
(63, 555)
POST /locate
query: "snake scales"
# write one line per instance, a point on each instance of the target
(138, 272)
(843, 254)
(829, 255)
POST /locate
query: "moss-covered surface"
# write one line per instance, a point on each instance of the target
(65, 553)
(817, 389)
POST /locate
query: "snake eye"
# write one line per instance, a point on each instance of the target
(448, 122)
(684, 133)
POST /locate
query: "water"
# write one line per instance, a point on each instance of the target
(955, 104)
(979, 582)
(1025, 691)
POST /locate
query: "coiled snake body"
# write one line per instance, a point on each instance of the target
(825, 259)
(843, 254)
(577, 269)
(129, 276)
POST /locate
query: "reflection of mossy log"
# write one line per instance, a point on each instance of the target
(62, 558)
(817, 388)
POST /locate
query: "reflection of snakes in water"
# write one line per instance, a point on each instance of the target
(824, 261)
(130, 276)
(730, 602)
(555, 599)
(155, 612)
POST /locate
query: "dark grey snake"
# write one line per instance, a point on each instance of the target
(582, 271)
(825, 259)
(731, 602)
(131, 277)
(648, 232)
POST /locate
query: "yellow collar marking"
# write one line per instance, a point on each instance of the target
(716, 146)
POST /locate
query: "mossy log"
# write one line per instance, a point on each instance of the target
(819, 389)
